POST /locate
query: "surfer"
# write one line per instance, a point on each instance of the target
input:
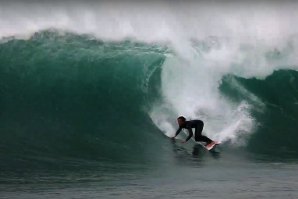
(198, 126)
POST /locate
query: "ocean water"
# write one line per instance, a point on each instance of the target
(90, 93)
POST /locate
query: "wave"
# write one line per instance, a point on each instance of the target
(77, 97)
(102, 85)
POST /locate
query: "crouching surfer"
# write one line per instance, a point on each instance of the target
(198, 126)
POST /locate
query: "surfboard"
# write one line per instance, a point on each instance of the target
(210, 146)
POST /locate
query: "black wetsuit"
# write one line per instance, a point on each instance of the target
(198, 125)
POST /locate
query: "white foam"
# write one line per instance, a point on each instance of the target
(192, 90)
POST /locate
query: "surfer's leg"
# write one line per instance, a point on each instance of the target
(198, 134)
(203, 138)
(199, 129)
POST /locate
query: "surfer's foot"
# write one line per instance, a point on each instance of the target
(210, 144)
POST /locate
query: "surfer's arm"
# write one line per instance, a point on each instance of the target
(178, 131)
(190, 134)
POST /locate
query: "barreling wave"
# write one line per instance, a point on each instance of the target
(74, 96)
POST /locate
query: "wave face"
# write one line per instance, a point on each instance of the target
(73, 96)
(101, 85)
